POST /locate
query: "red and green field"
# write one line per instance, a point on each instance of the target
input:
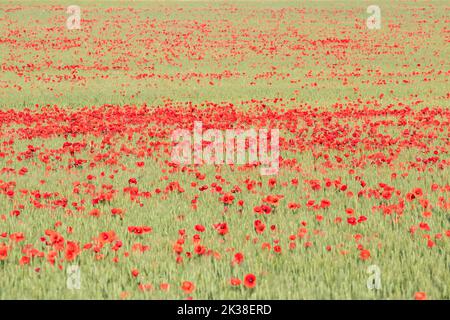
(87, 181)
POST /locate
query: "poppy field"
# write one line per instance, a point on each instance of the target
(93, 205)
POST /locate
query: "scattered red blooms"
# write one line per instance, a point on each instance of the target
(364, 147)
(139, 229)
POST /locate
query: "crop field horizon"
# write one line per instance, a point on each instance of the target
(343, 189)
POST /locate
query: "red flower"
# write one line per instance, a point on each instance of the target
(3, 251)
(293, 205)
(325, 203)
(418, 192)
(145, 286)
(424, 226)
(349, 211)
(420, 296)
(199, 228)
(164, 286)
(117, 212)
(227, 198)
(352, 221)
(95, 213)
(199, 249)
(427, 214)
(15, 213)
(272, 182)
(238, 258)
(362, 219)
(235, 282)
(364, 254)
(24, 260)
(188, 287)
(272, 200)
(222, 228)
(259, 226)
(139, 229)
(266, 209)
(72, 250)
(107, 237)
(134, 273)
(250, 281)
(17, 236)
(410, 196)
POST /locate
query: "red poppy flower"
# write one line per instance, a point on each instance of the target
(222, 228)
(227, 198)
(364, 254)
(238, 258)
(352, 221)
(95, 213)
(3, 251)
(235, 282)
(199, 228)
(188, 287)
(200, 250)
(24, 260)
(145, 286)
(259, 227)
(107, 237)
(250, 280)
(134, 272)
(424, 226)
(266, 209)
(117, 212)
(164, 286)
(272, 182)
(420, 296)
(72, 250)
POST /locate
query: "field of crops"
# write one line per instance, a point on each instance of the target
(93, 205)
